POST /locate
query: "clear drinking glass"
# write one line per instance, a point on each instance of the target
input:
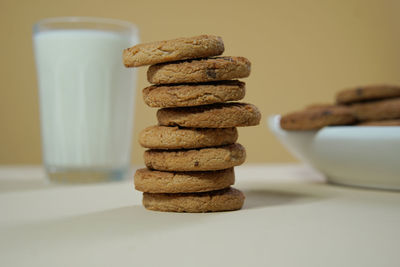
(86, 97)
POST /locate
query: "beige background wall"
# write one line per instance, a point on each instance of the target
(301, 51)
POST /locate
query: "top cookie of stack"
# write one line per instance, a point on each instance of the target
(173, 50)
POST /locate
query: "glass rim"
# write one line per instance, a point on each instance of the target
(129, 26)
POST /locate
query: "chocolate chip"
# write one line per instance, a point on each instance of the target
(359, 91)
(211, 73)
(226, 59)
(196, 163)
(326, 112)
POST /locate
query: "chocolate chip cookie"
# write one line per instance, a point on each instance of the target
(199, 70)
(366, 93)
(163, 137)
(221, 200)
(314, 119)
(152, 181)
(211, 116)
(172, 50)
(377, 110)
(203, 159)
(184, 95)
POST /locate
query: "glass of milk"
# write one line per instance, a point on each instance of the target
(86, 97)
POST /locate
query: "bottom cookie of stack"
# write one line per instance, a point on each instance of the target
(204, 191)
(227, 199)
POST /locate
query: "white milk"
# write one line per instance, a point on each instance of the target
(86, 98)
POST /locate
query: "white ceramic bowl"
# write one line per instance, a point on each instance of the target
(367, 156)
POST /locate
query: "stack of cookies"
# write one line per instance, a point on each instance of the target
(193, 149)
(373, 105)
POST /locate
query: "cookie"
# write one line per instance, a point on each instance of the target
(184, 95)
(211, 116)
(221, 200)
(378, 110)
(381, 123)
(172, 50)
(204, 159)
(199, 70)
(162, 137)
(313, 119)
(366, 93)
(182, 182)
(320, 106)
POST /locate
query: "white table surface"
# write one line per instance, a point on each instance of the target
(290, 218)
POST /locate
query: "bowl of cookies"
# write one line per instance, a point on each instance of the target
(355, 141)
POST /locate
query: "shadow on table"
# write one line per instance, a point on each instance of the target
(122, 223)
(259, 195)
(265, 198)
